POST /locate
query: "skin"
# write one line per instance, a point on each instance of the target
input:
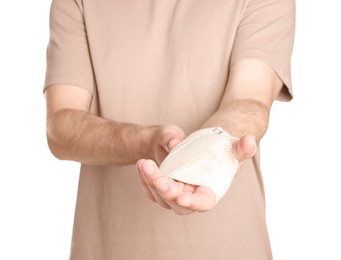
(75, 134)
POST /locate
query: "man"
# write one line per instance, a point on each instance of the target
(127, 81)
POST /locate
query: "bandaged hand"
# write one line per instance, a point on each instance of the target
(204, 158)
(197, 172)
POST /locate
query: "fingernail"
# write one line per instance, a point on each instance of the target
(149, 169)
(168, 147)
(172, 144)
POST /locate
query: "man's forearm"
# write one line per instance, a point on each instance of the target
(241, 117)
(79, 136)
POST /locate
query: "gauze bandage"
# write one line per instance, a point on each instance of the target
(204, 158)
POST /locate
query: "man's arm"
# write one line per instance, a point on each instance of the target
(245, 107)
(75, 134)
(243, 112)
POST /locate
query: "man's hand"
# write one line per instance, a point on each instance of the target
(164, 140)
(184, 198)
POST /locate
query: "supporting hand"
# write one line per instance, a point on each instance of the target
(164, 139)
(180, 197)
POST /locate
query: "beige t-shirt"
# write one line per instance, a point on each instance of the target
(165, 62)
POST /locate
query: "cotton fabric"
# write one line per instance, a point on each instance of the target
(165, 62)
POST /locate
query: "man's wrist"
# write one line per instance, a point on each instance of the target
(131, 143)
(241, 117)
(147, 135)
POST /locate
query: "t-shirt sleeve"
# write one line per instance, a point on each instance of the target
(68, 59)
(266, 33)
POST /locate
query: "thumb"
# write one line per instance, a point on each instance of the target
(245, 147)
(173, 142)
(172, 136)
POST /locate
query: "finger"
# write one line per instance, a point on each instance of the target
(245, 148)
(172, 135)
(170, 190)
(150, 173)
(165, 190)
(189, 187)
(203, 199)
(143, 181)
(173, 142)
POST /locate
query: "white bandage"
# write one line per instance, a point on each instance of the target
(204, 158)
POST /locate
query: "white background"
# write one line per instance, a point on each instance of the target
(300, 158)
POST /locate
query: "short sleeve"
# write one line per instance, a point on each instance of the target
(266, 32)
(68, 58)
